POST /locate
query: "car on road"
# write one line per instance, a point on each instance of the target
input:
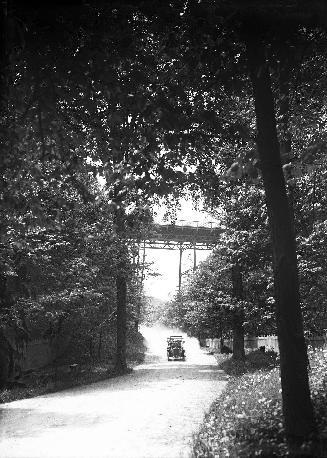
(175, 348)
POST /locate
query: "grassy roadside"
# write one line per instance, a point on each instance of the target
(51, 380)
(246, 420)
(64, 375)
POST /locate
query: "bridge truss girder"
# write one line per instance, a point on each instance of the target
(173, 245)
(182, 238)
(178, 245)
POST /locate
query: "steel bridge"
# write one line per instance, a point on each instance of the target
(182, 237)
(173, 236)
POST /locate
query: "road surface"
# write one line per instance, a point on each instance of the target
(150, 413)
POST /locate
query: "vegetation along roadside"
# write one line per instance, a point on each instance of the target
(246, 420)
(62, 376)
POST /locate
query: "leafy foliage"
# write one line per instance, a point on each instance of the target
(255, 360)
(59, 275)
(154, 97)
(251, 408)
(207, 304)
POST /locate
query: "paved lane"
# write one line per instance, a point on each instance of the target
(150, 413)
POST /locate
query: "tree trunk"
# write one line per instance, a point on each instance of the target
(4, 56)
(284, 102)
(238, 315)
(100, 345)
(4, 360)
(297, 407)
(285, 142)
(91, 348)
(238, 336)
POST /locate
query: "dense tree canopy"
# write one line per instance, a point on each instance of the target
(157, 97)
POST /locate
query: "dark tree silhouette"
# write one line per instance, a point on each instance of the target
(297, 407)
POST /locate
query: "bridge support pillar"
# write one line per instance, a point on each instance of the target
(143, 263)
(180, 268)
(194, 258)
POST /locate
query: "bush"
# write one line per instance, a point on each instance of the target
(136, 347)
(50, 380)
(262, 360)
(318, 385)
(253, 361)
(247, 421)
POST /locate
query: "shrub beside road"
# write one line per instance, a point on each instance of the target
(246, 420)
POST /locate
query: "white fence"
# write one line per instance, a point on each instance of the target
(269, 342)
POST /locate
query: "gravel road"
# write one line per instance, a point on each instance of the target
(150, 413)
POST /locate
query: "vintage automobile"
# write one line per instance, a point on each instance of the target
(175, 349)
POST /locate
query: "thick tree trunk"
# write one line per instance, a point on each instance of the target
(100, 345)
(238, 315)
(297, 407)
(238, 336)
(284, 103)
(4, 55)
(285, 141)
